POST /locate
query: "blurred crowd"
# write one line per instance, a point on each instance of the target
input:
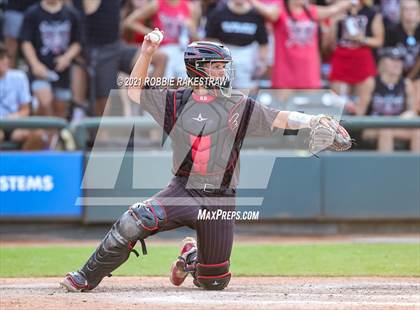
(63, 57)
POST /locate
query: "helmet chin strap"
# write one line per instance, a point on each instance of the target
(225, 91)
(213, 92)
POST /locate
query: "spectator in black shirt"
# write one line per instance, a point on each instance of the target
(391, 95)
(390, 10)
(208, 6)
(239, 26)
(406, 36)
(13, 18)
(103, 49)
(50, 38)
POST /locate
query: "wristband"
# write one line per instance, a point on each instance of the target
(297, 120)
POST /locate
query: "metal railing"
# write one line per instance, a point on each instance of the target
(365, 122)
(34, 122)
(81, 129)
(146, 124)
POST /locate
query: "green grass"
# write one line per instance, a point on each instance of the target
(247, 260)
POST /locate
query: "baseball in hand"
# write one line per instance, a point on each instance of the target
(155, 36)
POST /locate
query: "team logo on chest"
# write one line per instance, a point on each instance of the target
(234, 121)
(200, 118)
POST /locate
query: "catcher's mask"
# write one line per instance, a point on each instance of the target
(213, 62)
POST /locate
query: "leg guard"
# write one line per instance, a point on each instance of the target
(140, 221)
(213, 276)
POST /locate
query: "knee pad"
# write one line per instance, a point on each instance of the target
(213, 276)
(148, 217)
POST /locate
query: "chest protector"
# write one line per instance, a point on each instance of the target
(207, 133)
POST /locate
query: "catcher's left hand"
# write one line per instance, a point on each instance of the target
(327, 133)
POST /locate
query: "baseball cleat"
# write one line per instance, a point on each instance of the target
(185, 262)
(75, 282)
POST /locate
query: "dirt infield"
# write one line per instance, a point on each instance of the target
(243, 293)
(341, 293)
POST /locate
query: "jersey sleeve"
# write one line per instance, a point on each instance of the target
(261, 120)
(154, 101)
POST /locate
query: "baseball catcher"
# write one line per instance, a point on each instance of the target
(207, 124)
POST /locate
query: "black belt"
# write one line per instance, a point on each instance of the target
(212, 189)
(208, 188)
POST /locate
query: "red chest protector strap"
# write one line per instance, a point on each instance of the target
(175, 102)
(237, 144)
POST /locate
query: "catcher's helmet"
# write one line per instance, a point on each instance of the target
(201, 52)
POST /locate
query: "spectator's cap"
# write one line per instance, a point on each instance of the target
(391, 52)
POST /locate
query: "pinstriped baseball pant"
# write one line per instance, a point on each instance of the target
(182, 206)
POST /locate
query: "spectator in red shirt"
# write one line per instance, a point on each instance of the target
(135, 30)
(178, 20)
(353, 66)
(297, 58)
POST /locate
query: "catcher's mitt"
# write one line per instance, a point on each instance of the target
(327, 133)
